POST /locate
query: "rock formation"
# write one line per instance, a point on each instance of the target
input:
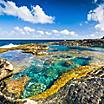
(87, 90)
(6, 69)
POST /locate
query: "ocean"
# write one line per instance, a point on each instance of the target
(17, 42)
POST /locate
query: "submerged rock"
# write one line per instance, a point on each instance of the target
(67, 63)
(14, 88)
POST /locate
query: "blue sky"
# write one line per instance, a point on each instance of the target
(51, 19)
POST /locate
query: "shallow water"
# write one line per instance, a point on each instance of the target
(15, 55)
(55, 48)
(43, 72)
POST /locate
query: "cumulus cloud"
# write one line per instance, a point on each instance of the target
(25, 30)
(31, 33)
(36, 15)
(30, 30)
(64, 32)
(98, 16)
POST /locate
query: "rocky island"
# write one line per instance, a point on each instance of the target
(66, 72)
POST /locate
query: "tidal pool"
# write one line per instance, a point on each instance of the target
(15, 55)
(56, 48)
(18, 58)
(43, 72)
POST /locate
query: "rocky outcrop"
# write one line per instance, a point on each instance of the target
(85, 42)
(35, 49)
(87, 90)
(6, 69)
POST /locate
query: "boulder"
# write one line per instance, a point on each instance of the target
(6, 68)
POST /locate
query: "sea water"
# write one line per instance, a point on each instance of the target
(44, 72)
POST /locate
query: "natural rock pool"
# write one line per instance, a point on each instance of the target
(44, 71)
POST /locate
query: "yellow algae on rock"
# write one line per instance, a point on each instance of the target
(76, 73)
(17, 86)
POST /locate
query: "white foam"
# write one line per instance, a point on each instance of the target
(9, 46)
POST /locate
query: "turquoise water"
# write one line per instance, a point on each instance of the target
(56, 48)
(44, 73)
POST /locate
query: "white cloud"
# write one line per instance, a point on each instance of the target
(55, 31)
(31, 33)
(80, 24)
(40, 32)
(28, 29)
(36, 15)
(64, 32)
(98, 16)
(48, 33)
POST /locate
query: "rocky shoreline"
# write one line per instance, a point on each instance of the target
(85, 42)
(87, 89)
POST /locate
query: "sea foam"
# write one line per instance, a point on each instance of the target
(9, 46)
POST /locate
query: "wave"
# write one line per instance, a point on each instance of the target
(9, 46)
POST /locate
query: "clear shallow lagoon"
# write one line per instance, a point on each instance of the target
(43, 72)
(15, 55)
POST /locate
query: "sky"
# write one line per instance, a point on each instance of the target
(51, 19)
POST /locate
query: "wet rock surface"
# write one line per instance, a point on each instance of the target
(85, 42)
(87, 90)
(5, 100)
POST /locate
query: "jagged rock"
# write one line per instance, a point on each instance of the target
(85, 42)
(87, 90)
(6, 68)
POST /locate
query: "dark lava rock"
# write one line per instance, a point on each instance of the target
(85, 42)
(88, 90)
(4, 100)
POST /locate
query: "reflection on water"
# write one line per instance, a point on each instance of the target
(19, 59)
(15, 55)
